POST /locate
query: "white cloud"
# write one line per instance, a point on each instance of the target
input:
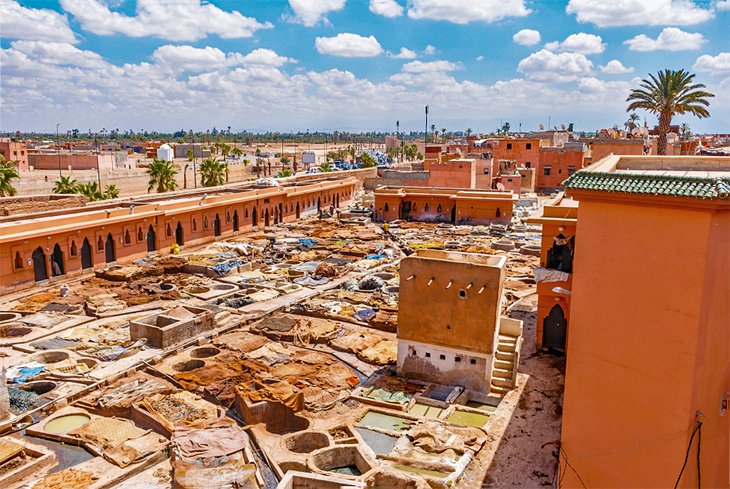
(596, 86)
(670, 39)
(349, 46)
(387, 8)
(465, 11)
(722, 5)
(545, 65)
(638, 12)
(189, 58)
(175, 21)
(715, 65)
(430, 50)
(579, 43)
(404, 53)
(615, 67)
(527, 37)
(480, 58)
(429, 67)
(18, 22)
(311, 12)
(57, 53)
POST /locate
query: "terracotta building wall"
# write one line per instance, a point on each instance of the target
(456, 173)
(525, 151)
(560, 163)
(648, 345)
(15, 151)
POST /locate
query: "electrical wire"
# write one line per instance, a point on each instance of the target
(565, 456)
(697, 429)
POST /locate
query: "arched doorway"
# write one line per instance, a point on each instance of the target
(109, 251)
(554, 328)
(57, 268)
(281, 212)
(217, 225)
(86, 256)
(254, 218)
(276, 215)
(298, 212)
(453, 215)
(151, 240)
(235, 221)
(266, 218)
(39, 265)
(319, 203)
(179, 234)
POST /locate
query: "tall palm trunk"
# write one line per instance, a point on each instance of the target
(665, 120)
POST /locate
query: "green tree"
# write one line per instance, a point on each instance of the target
(225, 150)
(632, 122)
(419, 156)
(468, 132)
(285, 160)
(258, 152)
(237, 152)
(111, 192)
(285, 172)
(191, 155)
(65, 185)
(162, 176)
(368, 161)
(8, 172)
(666, 94)
(212, 172)
(326, 167)
(443, 133)
(90, 190)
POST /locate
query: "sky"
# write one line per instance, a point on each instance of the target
(353, 65)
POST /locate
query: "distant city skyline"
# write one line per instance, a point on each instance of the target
(351, 65)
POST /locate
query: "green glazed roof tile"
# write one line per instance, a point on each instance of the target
(679, 186)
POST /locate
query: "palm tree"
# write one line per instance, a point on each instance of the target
(8, 172)
(326, 167)
(284, 172)
(65, 185)
(212, 172)
(111, 192)
(669, 93)
(468, 132)
(90, 190)
(162, 176)
(433, 130)
(632, 122)
(191, 155)
(684, 131)
(443, 133)
(237, 152)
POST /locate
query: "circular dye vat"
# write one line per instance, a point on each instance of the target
(204, 352)
(14, 330)
(307, 442)
(188, 366)
(9, 316)
(51, 357)
(166, 287)
(40, 387)
(197, 290)
(64, 424)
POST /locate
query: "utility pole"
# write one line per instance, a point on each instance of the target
(397, 138)
(195, 178)
(425, 132)
(58, 150)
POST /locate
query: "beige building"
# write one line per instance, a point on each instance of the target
(449, 324)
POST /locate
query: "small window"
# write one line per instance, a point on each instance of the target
(486, 171)
(74, 249)
(195, 225)
(228, 217)
(457, 359)
(462, 294)
(99, 244)
(546, 171)
(528, 146)
(205, 222)
(571, 170)
(140, 234)
(473, 361)
(509, 180)
(442, 357)
(439, 209)
(18, 261)
(509, 145)
(246, 212)
(425, 207)
(168, 230)
(386, 207)
(528, 164)
(414, 353)
(127, 237)
(428, 355)
(560, 171)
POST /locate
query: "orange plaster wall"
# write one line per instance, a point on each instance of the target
(518, 152)
(558, 159)
(453, 174)
(648, 346)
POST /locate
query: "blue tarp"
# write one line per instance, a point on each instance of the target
(378, 256)
(224, 268)
(364, 315)
(308, 242)
(25, 373)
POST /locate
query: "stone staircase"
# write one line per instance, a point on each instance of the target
(506, 357)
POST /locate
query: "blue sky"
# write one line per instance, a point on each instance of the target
(349, 64)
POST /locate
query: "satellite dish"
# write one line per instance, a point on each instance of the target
(500, 186)
(542, 127)
(636, 131)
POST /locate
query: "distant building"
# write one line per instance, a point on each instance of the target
(558, 163)
(14, 151)
(165, 153)
(450, 329)
(199, 150)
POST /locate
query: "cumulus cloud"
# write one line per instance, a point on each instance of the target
(312, 12)
(58, 53)
(179, 21)
(715, 65)
(189, 58)
(18, 22)
(545, 65)
(480, 58)
(527, 37)
(670, 39)
(638, 12)
(349, 45)
(386, 8)
(430, 50)
(615, 67)
(404, 53)
(429, 67)
(722, 5)
(579, 43)
(465, 11)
